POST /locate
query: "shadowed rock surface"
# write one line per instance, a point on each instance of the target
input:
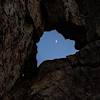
(22, 23)
(76, 77)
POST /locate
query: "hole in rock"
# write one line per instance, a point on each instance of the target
(53, 45)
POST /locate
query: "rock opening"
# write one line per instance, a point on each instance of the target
(53, 45)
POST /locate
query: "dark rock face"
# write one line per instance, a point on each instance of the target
(62, 79)
(22, 23)
(17, 46)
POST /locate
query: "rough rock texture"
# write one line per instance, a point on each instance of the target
(17, 47)
(76, 77)
(22, 23)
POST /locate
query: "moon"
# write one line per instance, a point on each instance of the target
(56, 41)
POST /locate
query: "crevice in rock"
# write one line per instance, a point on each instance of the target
(29, 68)
(53, 45)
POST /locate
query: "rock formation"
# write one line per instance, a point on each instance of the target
(22, 23)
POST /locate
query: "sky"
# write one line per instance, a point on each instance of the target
(52, 45)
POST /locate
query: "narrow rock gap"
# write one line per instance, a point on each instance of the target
(53, 45)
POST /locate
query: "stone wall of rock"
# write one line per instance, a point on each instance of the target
(22, 23)
(17, 46)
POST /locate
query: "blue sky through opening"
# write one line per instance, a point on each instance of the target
(52, 45)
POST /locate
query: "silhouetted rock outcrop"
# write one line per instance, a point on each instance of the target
(22, 23)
